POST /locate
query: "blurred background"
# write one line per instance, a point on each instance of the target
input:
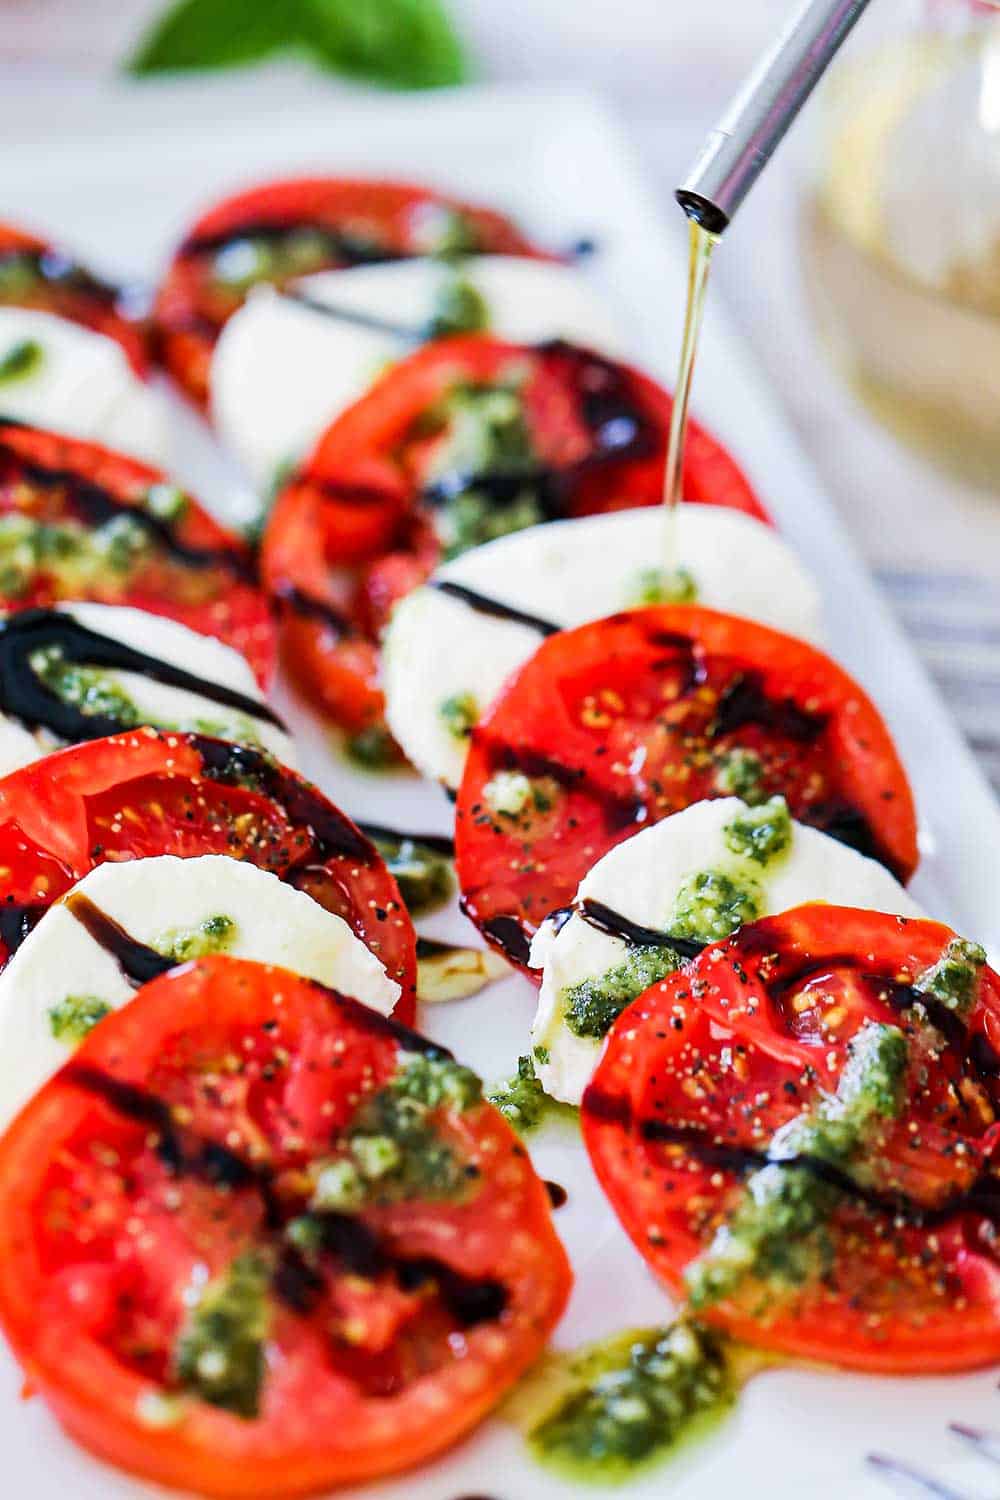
(865, 269)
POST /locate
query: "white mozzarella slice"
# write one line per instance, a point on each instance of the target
(163, 706)
(155, 900)
(640, 879)
(567, 572)
(81, 384)
(281, 372)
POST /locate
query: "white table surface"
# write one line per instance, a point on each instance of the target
(669, 65)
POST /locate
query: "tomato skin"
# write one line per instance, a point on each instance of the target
(318, 1426)
(215, 595)
(872, 1311)
(350, 528)
(82, 299)
(191, 308)
(145, 793)
(591, 710)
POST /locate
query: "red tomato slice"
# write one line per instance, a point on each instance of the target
(900, 1271)
(34, 273)
(146, 793)
(93, 532)
(617, 724)
(191, 1132)
(282, 230)
(354, 530)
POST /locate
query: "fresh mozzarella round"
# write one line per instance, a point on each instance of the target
(282, 371)
(55, 373)
(156, 703)
(643, 880)
(439, 650)
(59, 980)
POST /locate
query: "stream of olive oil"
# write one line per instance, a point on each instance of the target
(701, 246)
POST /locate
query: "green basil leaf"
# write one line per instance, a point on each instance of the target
(218, 34)
(402, 43)
(399, 43)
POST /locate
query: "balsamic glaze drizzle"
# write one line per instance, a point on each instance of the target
(344, 248)
(744, 701)
(18, 921)
(557, 1194)
(612, 922)
(484, 605)
(301, 603)
(440, 843)
(510, 936)
(982, 1197)
(334, 833)
(25, 696)
(356, 316)
(57, 270)
(137, 961)
(347, 1238)
(99, 506)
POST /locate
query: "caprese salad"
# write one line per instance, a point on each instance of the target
(258, 1236)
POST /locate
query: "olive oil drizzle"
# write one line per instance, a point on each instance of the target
(702, 244)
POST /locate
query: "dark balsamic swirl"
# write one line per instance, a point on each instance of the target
(484, 605)
(343, 248)
(614, 924)
(25, 696)
(98, 506)
(138, 962)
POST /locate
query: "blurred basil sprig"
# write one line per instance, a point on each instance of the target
(398, 43)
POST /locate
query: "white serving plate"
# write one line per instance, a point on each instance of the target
(121, 182)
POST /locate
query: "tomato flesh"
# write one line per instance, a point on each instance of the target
(282, 230)
(704, 1068)
(89, 533)
(38, 275)
(620, 723)
(185, 1136)
(360, 524)
(145, 793)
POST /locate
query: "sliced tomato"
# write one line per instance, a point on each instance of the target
(190, 1132)
(359, 525)
(34, 273)
(147, 793)
(78, 521)
(282, 230)
(900, 1271)
(619, 723)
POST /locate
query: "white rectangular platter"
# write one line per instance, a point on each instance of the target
(120, 182)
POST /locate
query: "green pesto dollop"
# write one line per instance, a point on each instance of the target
(89, 689)
(953, 979)
(76, 557)
(214, 935)
(21, 361)
(219, 1355)
(762, 833)
(459, 714)
(424, 877)
(632, 1399)
(523, 1102)
(484, 432)
(393, 1150)
(591, 1007)
(459, 307)
(76, 1016)
(508, 794)
(244, 262)
(739, 773)
(373, 749)
(663, 586)
(778, 1232)
(711, 904)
